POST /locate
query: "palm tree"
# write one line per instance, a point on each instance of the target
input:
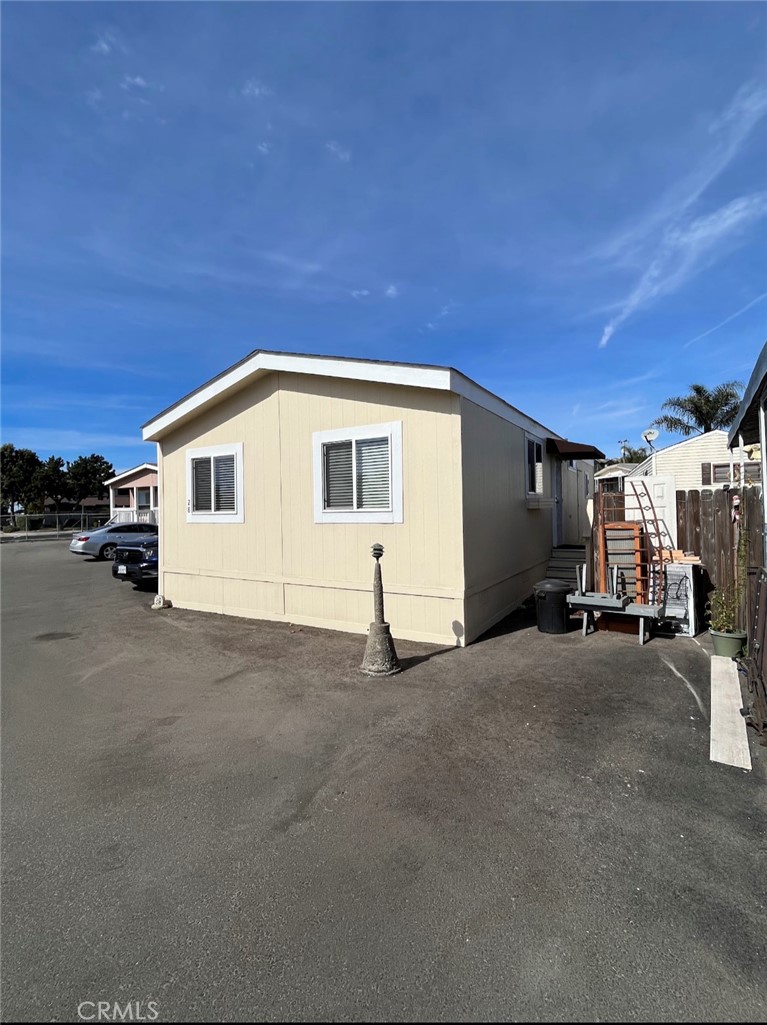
(703, 410)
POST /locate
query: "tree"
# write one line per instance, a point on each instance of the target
(54, 481)
(87, 475)
(19, 483)
(634, 455)
(703, 410)
(628, 455)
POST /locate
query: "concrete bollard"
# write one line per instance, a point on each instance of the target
(380, 657)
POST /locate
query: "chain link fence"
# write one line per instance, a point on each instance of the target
(52, 524)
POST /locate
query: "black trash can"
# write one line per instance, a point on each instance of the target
(551, 605)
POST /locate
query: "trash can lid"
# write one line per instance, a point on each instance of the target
(554, 587)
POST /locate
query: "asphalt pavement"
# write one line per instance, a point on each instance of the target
(224, 818)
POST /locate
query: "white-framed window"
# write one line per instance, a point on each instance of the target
(534, 465)
(358, 474)
(721, 473)
(214, 484)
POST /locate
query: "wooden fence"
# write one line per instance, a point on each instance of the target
(705, 525)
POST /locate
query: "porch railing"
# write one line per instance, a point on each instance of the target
(135, 516)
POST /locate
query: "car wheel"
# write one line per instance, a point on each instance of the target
(108, 552)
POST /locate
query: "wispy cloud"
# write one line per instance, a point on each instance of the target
(93, 98)
(727, 133)
(20, 347)
(360, 293)
(391, 292)
(254, 90)
(444, 311)
(672, 245)
(338, 151)
(265, 148)
(131, 82)
(615, 409)
(292, 263)
(43, 440)
(733, 316)
(106, 42)
(684, 250)
(19, 398)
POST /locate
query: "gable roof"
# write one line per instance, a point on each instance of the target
(152, 467)
(647, 463)
(615, 470)
(263, 361)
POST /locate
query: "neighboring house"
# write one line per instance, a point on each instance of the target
(91, 504)
(704, 461)
(133, 494)
(277, 476)
(649, 489)
(610, 478)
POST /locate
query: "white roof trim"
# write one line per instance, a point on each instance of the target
(127, 473)
(691, 441)
(640, 470)
(615, 470)
(467, 388)
(435, 378)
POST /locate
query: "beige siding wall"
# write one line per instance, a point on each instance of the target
(279, 564)
(685, 460)
(146, 479)
(506, 544)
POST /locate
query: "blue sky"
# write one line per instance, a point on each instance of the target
(567, 202)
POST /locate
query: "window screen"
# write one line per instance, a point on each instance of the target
(214, 484)
(201, 480)
(357, 474)
(534, 467)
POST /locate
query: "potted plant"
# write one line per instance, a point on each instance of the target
(721, 613)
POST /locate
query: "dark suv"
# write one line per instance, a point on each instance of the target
(136, 562)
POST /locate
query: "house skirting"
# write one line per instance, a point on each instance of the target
(431, 615)
(487, 605)
(435, 617)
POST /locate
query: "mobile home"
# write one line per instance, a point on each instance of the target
(277, 476)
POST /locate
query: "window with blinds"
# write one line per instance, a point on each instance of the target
(201, 489)
(214, 482)
(720, 473)
(534, 467)
(357, 474)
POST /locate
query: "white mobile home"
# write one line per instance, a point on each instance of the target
(278, 475)
(704, 461)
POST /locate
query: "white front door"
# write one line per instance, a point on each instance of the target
(650, 498)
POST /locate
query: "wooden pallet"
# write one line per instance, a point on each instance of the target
(624, 545)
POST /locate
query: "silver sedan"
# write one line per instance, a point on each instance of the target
(102, 543)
